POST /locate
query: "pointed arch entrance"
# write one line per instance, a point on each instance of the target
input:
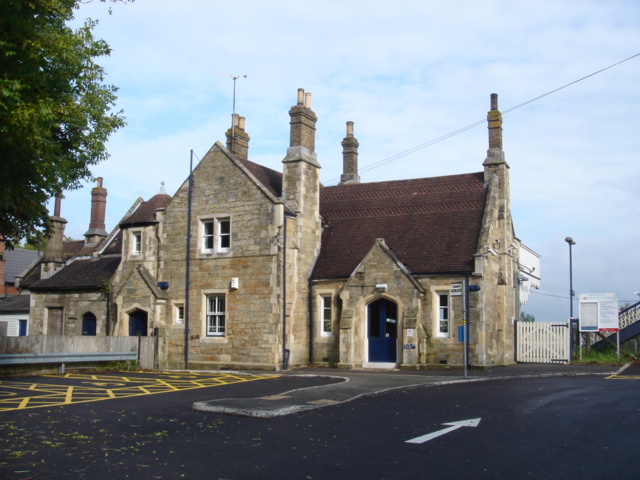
(382, 331)
(138, 320)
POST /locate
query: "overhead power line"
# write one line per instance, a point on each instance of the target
(480, 122)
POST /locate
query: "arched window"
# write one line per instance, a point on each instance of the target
(89, 324)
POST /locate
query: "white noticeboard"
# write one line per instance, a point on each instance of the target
(599, 312)
(456, 289)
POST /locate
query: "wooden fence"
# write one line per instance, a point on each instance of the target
(36, 344)
(543, 342)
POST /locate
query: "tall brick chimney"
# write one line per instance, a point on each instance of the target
(349, 158)
(495, 155)
(97, 230)
(238, 138)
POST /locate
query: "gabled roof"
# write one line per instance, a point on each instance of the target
(80, 274)
(430, 224)
(145, 214)
(270, 179)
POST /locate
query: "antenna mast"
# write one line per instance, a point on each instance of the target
(234, 77)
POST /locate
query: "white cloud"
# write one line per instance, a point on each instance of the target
(406, 73)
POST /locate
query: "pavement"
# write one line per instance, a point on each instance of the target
(349, 384)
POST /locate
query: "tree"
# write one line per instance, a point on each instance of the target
(55, 112)
(527, 317)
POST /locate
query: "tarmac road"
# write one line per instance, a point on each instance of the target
(160, 436)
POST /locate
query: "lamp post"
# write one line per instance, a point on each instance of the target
(570, 241)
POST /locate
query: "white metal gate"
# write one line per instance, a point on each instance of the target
(543, 342)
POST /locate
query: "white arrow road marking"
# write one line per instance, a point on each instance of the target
(454, 426)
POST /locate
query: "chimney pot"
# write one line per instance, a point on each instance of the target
(241, 121)
(307, 100)
(300, 96)
(494, 101)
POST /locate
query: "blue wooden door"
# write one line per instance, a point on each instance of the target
(138, 324)
(383, 331)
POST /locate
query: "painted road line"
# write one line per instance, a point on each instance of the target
(453, 426)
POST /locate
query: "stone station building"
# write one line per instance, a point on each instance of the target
(279, 271)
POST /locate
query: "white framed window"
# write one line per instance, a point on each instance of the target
(216, 308)
(207, 236)
(326, 315)
(179, 313)
(443, 315)
(215, 235)
(224, 234)
(136, 243)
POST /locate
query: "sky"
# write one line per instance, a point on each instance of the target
(407, 74)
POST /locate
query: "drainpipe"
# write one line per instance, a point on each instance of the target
(188, 264)
(467, 320)
(285, 352)
(311, 348)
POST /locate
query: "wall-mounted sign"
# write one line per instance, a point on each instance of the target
(409, 346)
(599, 312)
(456, 289)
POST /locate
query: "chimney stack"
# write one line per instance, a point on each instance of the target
(349, 158)
(494, 119)
(98, 211)
(238, 138)
(53, 256)
(301, 177)
(495, 154)
(303, 123)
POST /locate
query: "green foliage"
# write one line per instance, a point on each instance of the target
(607, 356)
(55, 111)
(527, 317)
(123, 366)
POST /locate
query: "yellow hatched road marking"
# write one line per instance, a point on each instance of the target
(67, 397)
(51, 395)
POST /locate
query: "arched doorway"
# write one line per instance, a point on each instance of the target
(382, 331)
(138, 323)
(89, 324)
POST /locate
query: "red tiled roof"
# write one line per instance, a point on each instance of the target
(431, 224)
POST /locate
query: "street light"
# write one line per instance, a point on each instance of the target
(570, 241)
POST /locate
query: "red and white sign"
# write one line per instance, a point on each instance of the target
(599, 312)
